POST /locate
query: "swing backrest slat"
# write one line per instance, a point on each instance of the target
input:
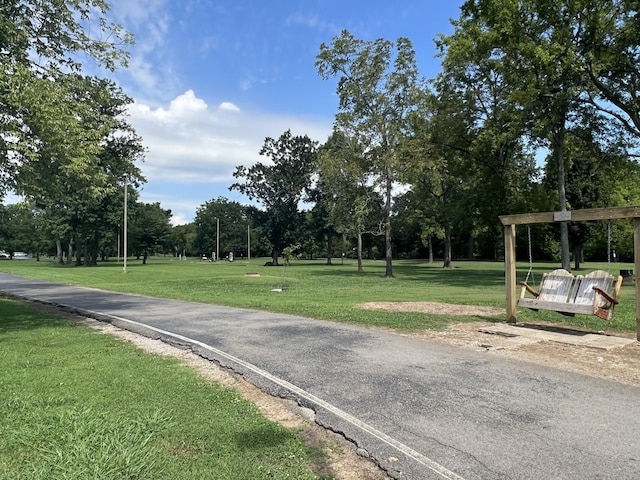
(557, 286)
(585, 293)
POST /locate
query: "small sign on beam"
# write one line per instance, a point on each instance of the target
(562, 216)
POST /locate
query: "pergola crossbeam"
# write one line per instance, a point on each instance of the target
(573, 215)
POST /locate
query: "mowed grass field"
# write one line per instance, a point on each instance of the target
(77, 404)
(329, 292)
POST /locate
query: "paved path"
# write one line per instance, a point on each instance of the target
(422, 410)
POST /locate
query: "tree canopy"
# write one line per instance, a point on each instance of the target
(280, 186)
(41, 44)
(377, 89)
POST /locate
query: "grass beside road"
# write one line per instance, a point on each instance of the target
(313, 289)
(78, 404)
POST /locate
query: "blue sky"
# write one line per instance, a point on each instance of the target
(211, 79)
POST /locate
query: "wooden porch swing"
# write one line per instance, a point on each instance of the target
(560, 291)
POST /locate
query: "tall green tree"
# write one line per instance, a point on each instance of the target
(149, 230)
(41, 42)
(474, 91)
(531, 44)
(333, 194)
(597, 157)
(233, 221)
(183, 238)
(21, 229)
(438, 164)
(607, 45)
(82, 185)
(377, 87)
(280, 186)
(351, 205)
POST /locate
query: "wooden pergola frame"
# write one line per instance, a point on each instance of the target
(510, 222)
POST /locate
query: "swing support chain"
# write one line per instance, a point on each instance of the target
(530, 271)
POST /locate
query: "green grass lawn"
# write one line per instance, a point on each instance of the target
(313, 289)
(76, 404)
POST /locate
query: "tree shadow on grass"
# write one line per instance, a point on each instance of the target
(262, 438)
(16, 315)
(456, 277)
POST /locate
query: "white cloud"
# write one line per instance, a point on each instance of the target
(136, 12)
(179, 219)
(189, 142)
(186, 105)
(312, 21)
(182, 209)
(228, 106)
(149, 72)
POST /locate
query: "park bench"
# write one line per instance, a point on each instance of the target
(560, 291)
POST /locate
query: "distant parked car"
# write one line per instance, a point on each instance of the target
(4, 254)
(20, 256)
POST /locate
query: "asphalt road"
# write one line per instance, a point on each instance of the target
(420, 409)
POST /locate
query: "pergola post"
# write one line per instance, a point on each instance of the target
(636, 257)
(510, 271)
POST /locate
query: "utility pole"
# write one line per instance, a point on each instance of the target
(124, 268)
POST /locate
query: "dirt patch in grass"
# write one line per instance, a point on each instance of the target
(434, 308)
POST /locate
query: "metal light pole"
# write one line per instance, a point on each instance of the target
(248, 242)
(217, 239)
(124, 268)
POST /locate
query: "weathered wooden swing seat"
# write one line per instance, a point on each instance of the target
(560, 291)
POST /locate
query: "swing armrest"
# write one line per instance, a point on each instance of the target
(526, 287)
(606, 295)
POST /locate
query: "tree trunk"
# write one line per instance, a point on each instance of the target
(93, 251)
(470, 255)
(558, 153)
(144, 257)
(59, 253)
(70, 252)
(387, 225)
(430, 241)
(578, 256)
(329, 247)
(447, 250)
